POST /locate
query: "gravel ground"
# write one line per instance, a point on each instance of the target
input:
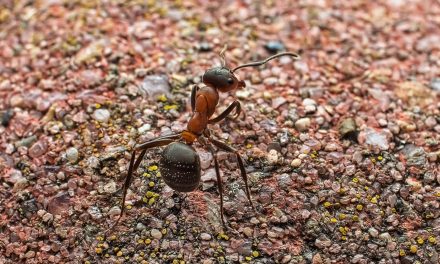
(342, 148)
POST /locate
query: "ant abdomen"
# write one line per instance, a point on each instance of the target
(180, 167)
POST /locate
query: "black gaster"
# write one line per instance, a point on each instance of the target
(180, 167)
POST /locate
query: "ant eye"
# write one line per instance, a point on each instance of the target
(230, 81)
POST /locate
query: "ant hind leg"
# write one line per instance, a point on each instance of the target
(219, 183)
(228, 148)
(134, 165)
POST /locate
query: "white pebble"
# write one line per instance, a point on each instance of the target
(309, 101)
(295, 163)
(101, 115)
(72, 155)
(303, 124)
(272, 157)
(144, 128)
(205, 236)
(156, 234)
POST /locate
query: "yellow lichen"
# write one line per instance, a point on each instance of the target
(162, 98)
(327, 204)
(169, 107)
(342, 230)
(223, 236)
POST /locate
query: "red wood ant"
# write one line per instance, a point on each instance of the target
(180, 163)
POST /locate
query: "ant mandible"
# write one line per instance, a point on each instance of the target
(180, 164)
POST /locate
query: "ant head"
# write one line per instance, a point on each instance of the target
(222, 79)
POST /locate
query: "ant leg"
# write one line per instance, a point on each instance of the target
(219, 184)
(235, 105)
(193, 96)
(228, 148)
(134, 164)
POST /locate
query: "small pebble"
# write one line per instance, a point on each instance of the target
(139, 226)
(101, 115)
(274, 46)
(295, 163)
(155, 85)
(47, 217)
(435, 84)
(347, 129)
(26, 142)
(303, 124)
(93, 162)
(110, 187)
(72, 154)
(144, 128)
(115, 210)
(272, 157)
(205, 159)
(310, 109)
(248, 231)
(30, 254)
(205, 236)
(205, 47)
(373, 232)
(155, 233)
(376, 138)
(94, 212)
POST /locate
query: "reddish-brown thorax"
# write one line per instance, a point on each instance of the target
(206, 102)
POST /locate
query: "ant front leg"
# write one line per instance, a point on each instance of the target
(193, 96)
(135, 162)
(228, 148)
(235, 105)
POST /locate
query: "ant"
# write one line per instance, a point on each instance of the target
(180, 164)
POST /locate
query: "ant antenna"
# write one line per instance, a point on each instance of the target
(258, 63)
(222, 55)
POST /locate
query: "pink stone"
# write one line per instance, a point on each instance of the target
(38, 149)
